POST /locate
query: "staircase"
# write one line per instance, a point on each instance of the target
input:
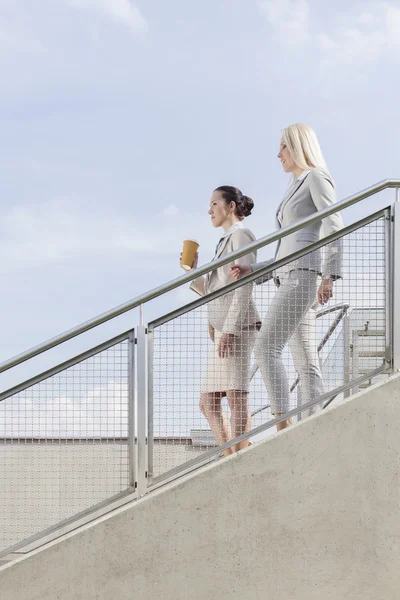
(367, 352)
(310, 513)
(113, 486)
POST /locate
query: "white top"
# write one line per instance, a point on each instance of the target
(232, 228)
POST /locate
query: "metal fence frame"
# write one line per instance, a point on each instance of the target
(120, 498)
(342, 309)
(140, 417)
(147, 397)
(179, 281)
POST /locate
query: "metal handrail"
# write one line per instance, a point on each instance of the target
(258, 274)
(171, 285)
(343, 308)
(20, 387)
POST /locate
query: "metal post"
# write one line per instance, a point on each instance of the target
(388, 288)
(299, 401)
(346, 342)
(141, 314)
(395, 292)
(355, 360)
(131, 409)
(150, 406)
(142, 409)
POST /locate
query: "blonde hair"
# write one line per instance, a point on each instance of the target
(303, 145)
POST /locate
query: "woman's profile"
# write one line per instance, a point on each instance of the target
(302, 283)
(233, 322)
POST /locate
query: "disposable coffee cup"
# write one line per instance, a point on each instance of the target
(188, 254)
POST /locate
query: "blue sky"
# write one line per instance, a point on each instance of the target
(119, 118)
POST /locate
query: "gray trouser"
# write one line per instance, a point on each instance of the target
(291, 318)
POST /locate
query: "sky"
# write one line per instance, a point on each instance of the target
(119, 118)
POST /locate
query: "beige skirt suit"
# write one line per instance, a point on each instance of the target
(233, 313)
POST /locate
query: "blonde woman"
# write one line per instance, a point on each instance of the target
(233, 322)
(291, 317)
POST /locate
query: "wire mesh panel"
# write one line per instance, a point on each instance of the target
(64, 444)
(179, 355)
(215, 374)
(363, 337)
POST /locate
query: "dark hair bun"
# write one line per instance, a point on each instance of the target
(245, 206)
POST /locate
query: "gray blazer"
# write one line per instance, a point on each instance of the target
(235, 311)
(314, 192)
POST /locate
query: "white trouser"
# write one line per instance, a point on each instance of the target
(291, 318)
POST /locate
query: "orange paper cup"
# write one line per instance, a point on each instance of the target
(188, 253)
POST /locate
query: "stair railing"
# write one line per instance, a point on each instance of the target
(135, 347)
(342, 308)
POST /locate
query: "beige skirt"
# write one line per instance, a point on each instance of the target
(232, 372)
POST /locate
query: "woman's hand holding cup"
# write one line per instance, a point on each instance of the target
(194, 263)
(189, 255)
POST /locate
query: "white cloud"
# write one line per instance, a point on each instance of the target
(375, 35)
(122, 11)
(289, 19)
(101, 411)
(29, 30)
(53, 232)
(350, 46)
(171, 210)
(392, 27)
(17, 32)
(368, 18)
(364, 38)
(56, 232)
(15, 40)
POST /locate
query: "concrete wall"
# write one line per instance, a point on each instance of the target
(46, 481)
(310, 514)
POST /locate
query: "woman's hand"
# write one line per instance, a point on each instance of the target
(325, 291)
(194, 263)
(238, 271)
(225, 346)
(211, 332)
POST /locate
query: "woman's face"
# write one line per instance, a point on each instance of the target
(219, 209)
(286, 159)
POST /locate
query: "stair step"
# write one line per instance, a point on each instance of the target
(369, 333)
(371, 354)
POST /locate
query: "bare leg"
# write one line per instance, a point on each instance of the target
(240, 416)
(210, 406)
(282, 424)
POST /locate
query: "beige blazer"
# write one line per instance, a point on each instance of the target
(314, 192)
(235, 311)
